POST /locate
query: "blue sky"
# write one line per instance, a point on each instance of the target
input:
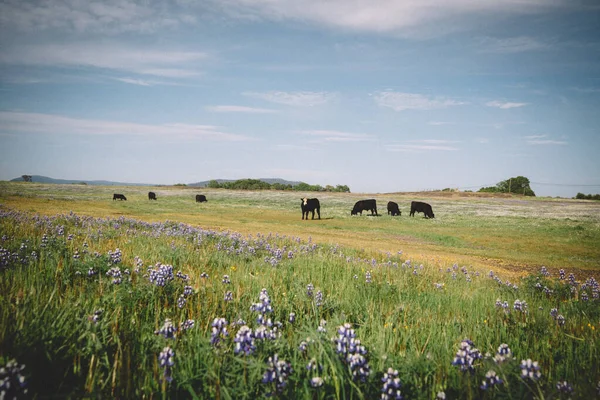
(381, 96)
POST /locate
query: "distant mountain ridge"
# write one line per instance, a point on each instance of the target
(46, 179)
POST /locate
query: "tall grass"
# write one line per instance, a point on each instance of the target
(82, 335)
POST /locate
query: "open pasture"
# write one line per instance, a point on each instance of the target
(112, 300)
(511, 233)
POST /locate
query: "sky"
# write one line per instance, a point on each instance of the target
(380, 95)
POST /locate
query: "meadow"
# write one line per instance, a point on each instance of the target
(240, 298)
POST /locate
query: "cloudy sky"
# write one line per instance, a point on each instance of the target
(380, 95)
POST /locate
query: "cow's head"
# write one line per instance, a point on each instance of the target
(304, 201)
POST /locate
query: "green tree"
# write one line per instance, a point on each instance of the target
(213, 184)
(517, 185)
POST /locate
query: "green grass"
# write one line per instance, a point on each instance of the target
(402, 319)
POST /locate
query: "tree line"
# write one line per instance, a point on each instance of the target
(517, 185)
(582, 196)
(256, 184)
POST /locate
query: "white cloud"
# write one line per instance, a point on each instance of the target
(399, 101)
(546, 142)
(385, 16)
(434, 141)
(105, 17)
(439, 123)
(241, 109)
(22, 122)
(535, 136)
(303, 99)
(414, 148)
(512, 45)
(338, 136)
(157, 62)
(504, 105)
(133, 81)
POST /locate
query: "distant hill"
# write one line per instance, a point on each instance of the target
(45, 179)
(267, 180)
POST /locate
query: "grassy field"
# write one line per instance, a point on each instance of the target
(511, 233)
(238, 298)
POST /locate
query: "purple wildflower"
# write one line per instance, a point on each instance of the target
(491, 379)
(309, 290)
(292, 317)
(185, 325)
(226, 280)
(561, 274)
(391, 385)
(319, 298)
(181, 301)
(564, 387)
(278, 372)
(316, 382)
(12, 382)
(168, 330)
(530, 369)
(228, 296)
(165, 360)
(466, 356)
(503, 354)
(219, 331)
(244, 341)
(368, 277)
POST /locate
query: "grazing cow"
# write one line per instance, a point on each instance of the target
(365, 205)
(119, 196)
(418, 206)
(308, 205)
(393, 209)
(151, 196)
(200, 198)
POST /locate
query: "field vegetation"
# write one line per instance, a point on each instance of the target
(239, 298)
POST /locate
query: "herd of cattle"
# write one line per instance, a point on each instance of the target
(311, 205)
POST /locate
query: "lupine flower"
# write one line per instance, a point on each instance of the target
(188, 324)
(503, 354)
(12, 382)
(278, 372)
(564, 387)
(97, 315)
(491, 379)
(188, 290)
(168, 330)
(560, 319)
(244, 341)
(181, 301)
(319, 298)
(309, 290)
(520, 305)
(182, 276)
(439, 286)
(76, 255)
(316, 382)
(530, 369)
(303, 346)
(466, 356)
(352, 352)
(204, 275)
(228, 296)
(292, 317)
(91, 272)
(322, 325)
(561, 274)
(544, 271)
(161, 274)
(584, 296)
(391, 385)
(368, 277)
(572, 280)
(115, 257)
(226, 279)
(554, 313)
(165, 360)
(219, 331)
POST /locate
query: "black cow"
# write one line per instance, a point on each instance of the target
(151, 196)
(365, 205)
(418, 206)
(308, 205)
(200, 198)
(119, 196)
(393, 209)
